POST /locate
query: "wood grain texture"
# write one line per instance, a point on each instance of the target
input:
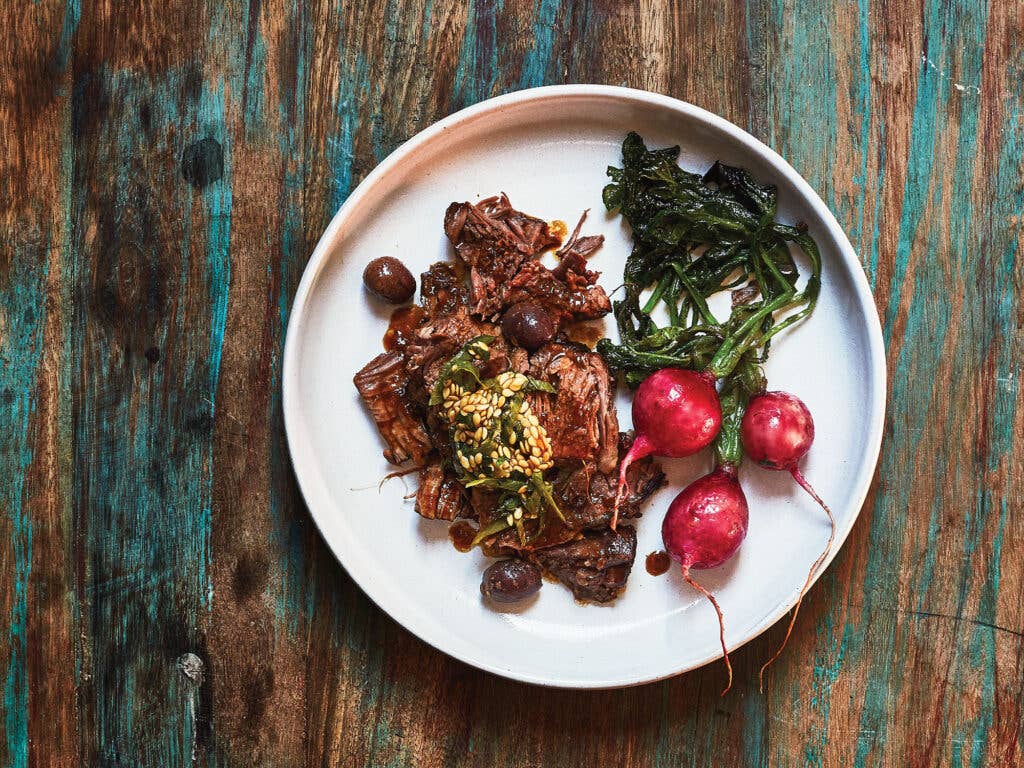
(165, 172)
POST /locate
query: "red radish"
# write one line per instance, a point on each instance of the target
(676, 413)
(777, 431)
(704, 526)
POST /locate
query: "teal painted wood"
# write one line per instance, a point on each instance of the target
(170, 170)
(23, 339)
(146, 366)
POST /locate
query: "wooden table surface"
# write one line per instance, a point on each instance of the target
(165, 173)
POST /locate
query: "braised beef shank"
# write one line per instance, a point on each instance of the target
(595, 567)
(497, 267)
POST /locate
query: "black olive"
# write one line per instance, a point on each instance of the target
(529, 325)
(510, 581)
(390, 279)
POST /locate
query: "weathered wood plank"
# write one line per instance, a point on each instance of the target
(37, 648)
(149, 218)
(912, 637)
(257, 621)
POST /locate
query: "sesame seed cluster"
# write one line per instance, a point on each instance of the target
(494, 431)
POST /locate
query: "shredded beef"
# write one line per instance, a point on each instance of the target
(438, 339)
(595, 567)
(568, 293)
(580, 417)
(581, 247)
(494, 240)
(586, 495)
(449, 325)
(440, 495)
(497, 267)
(497, 243)
(383, 383)
(442, 289)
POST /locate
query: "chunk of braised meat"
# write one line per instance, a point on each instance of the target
(447, 326)
(595, 567)
(384, 385)
(508, 542)
(494, 222)
(402, 327)
(437, 340)
(519, 360)
(443, 288)
(569, 292)
(586, 495)
(440, 495)
(498, 242)
(573, 263)
(494, 240)
(440, 337)
(580, 416)
(482, 505)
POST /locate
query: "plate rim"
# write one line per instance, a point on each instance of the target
(315, 496)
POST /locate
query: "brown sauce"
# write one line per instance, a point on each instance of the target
(658, 563)
(404, 322)
(462, 534)
(558, 229)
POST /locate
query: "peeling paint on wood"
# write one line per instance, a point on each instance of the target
(166, 172)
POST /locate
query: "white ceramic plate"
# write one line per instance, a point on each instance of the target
(548, 148)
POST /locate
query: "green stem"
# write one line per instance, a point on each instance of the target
(673, 306)
(774, 270)
(739, 342)
(656, 295)
(736, 390)
(695, 296)
(728, 445)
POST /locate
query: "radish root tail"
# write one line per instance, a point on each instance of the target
(619, 496)
(640, 448)
(801, 480)
(623, 487)
(721, 626)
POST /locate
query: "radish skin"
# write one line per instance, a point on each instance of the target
(777, 432)
(676, 413)
(704, 526)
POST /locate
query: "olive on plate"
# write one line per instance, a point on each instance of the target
(509, 581)
(529, 325)
(390, 279)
